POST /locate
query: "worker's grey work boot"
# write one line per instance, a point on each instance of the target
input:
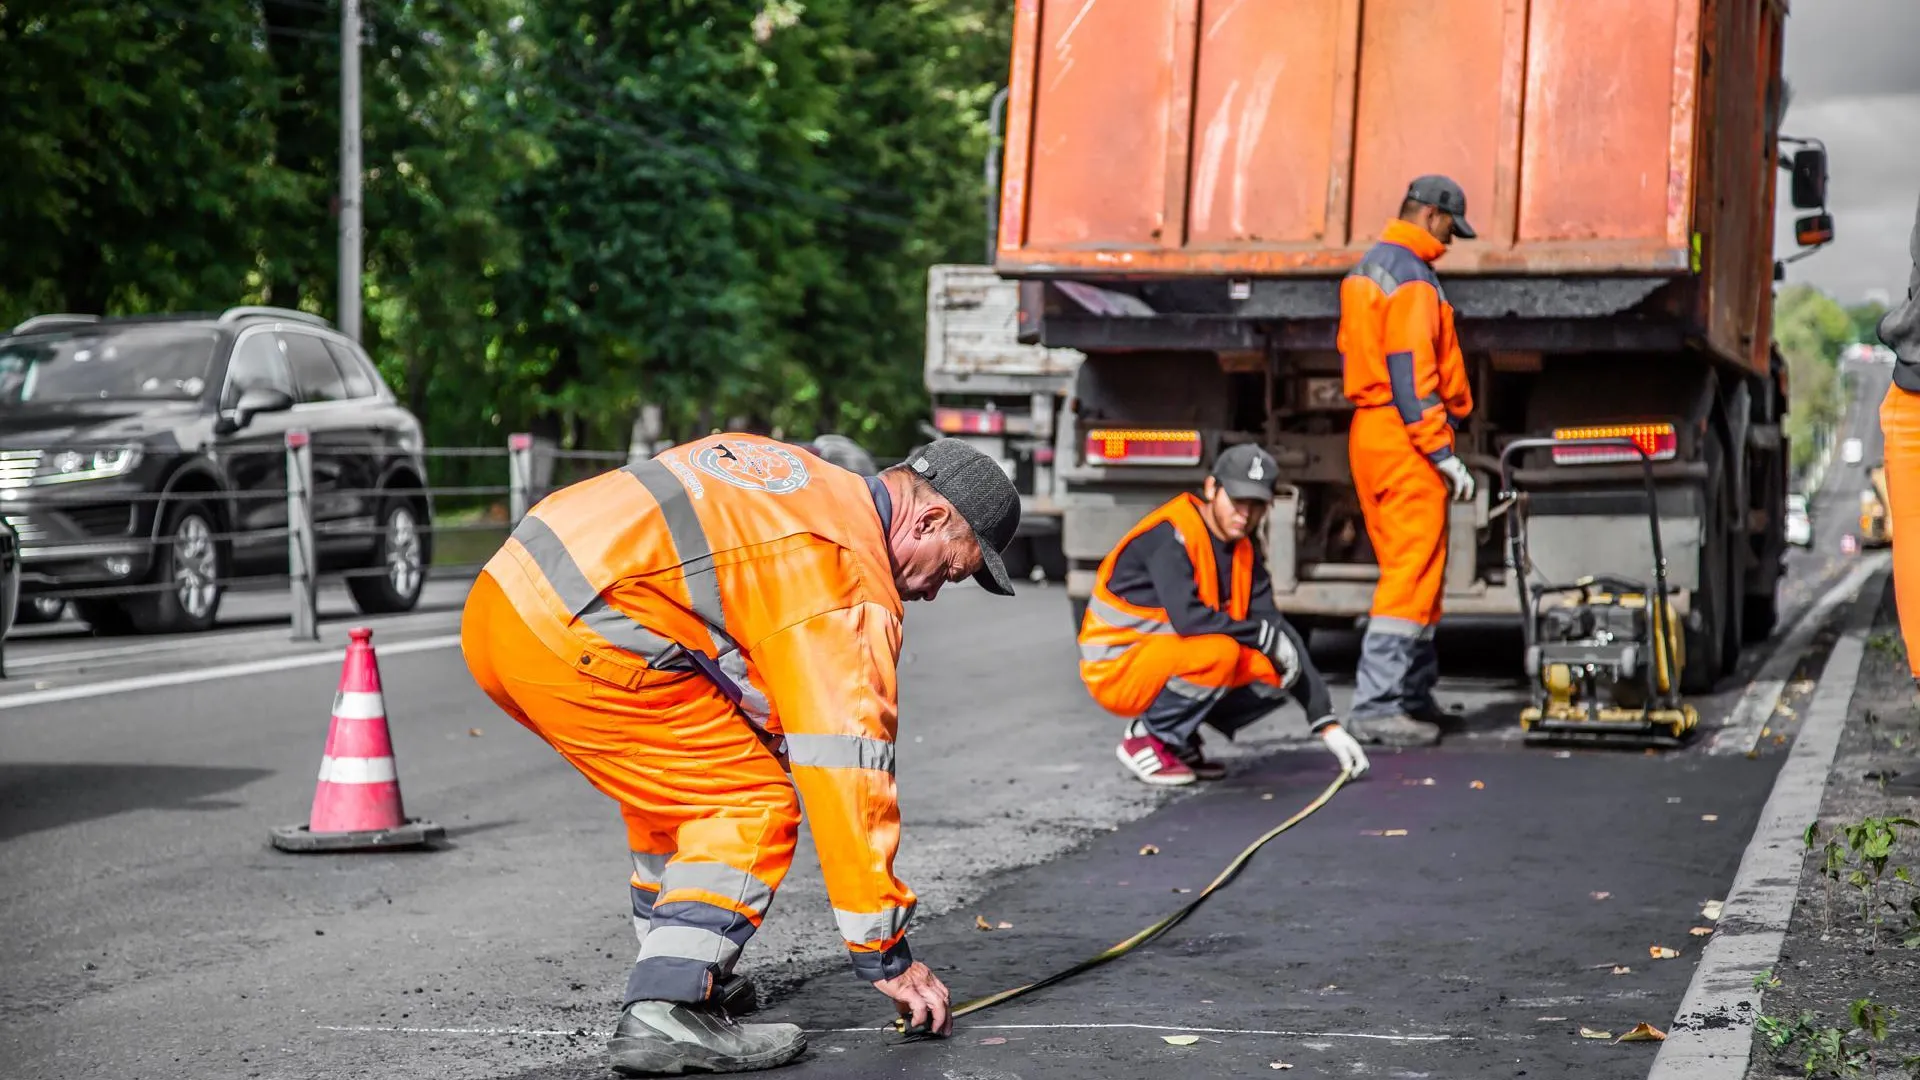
(669, 1038)
(1397, 730)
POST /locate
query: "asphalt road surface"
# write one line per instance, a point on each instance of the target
(154, 932)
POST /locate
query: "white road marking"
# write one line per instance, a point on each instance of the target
(225, 671)
(1759, 904)
(1754, 711)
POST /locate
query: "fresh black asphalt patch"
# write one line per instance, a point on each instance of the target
(1470, 946)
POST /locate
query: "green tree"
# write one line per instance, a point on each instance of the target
(1866, 321)
(1811, 329)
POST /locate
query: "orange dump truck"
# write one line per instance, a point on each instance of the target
(1185, 182)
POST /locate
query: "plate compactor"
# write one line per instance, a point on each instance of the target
(1603, 653)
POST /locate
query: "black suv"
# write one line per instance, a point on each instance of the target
(146, 450)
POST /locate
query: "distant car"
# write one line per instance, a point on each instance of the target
(1851, 452)
(146, 454)
(1799, 525)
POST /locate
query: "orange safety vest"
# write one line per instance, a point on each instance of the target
(767, 569)
(1112, 625)
(1397, 339)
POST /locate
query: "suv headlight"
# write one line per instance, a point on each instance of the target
(63, 466)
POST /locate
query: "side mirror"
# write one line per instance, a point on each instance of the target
(259, 399)
(1813, 230)
(1809, 178)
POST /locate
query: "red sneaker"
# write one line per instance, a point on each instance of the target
(1150, 760)
(1196, 759)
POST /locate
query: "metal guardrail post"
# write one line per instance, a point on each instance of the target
(302, 560)
(519, 475)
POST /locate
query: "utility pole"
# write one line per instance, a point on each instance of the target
(349, 320)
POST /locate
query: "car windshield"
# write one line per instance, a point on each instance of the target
(142, 363)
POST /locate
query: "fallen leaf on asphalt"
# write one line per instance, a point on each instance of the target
(1395, 832)
(1279, 1065)
(1711, 909)
(1765, 731)
(1003, 926)
(1183, 890)
(1268, 797)
(980, 923)
(1786, 712)
(1563, 753)
(1601, 895)
(1779, 740)
(1804, 686)
(1671, 799)
(1149, 850)
(1477, 785)
(1644, 1033)
(1623, 970)
(1589, 1033)
(995, 1040)
(1709, 817)
(1428, 782)
(475, 732)
(1701, 931)
(1181, 1040)
(1661, 952)
(1547, 1019)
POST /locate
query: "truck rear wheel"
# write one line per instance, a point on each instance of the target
(1706, 658)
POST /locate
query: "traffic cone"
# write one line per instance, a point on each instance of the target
(356, 804)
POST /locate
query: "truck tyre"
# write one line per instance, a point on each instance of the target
(1050, 557)
(1706, 645)
(1762, 615)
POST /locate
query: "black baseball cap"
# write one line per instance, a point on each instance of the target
(1441, 193)
(980, 491)
(1247, 472)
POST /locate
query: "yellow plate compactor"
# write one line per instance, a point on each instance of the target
(1603, 653)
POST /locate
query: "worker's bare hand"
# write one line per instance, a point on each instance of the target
(920, 997)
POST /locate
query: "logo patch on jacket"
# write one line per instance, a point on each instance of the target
(753, 466)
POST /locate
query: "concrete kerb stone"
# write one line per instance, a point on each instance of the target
(1711, 1037)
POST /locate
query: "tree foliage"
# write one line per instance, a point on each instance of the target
(571, 207)
(1811, 328)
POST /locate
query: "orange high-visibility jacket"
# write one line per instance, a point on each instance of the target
(1112, 624)
(766, 568)
(1397, 339)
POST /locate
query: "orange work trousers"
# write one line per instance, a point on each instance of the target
(1900, 435)
(1405, 503)
(1173, 684)
(711, 814)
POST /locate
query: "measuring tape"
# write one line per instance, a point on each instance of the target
(1151, 932)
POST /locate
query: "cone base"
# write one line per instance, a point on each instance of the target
(414, 832)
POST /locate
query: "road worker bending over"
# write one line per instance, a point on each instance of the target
(1408, 383)
(703, 633)
(1181, 630)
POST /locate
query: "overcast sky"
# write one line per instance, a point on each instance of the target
(1856, 87)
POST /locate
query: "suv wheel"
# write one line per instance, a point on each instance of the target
(188, 562)
(401, 555)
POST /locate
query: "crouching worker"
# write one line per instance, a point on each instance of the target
(710, 637)
(1182, 630)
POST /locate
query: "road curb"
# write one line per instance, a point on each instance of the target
(1712, 1033)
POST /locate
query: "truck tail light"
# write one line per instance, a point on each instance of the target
(1133, 446)
(969, 421)
(1658, 440)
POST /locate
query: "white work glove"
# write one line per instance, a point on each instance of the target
(1279, 649)
(1346, 749)
(1454, 472)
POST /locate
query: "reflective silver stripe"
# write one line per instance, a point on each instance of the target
(742, 888)
(648, 868)
(569, 582)
(840, 752)
(1093, 654)
(688, 943)
(1390, 626)
(1193, 690)
(690, 542)
(628, 636)
(753, 701)
(861, 927)
(1120, 620)
(1380, 276)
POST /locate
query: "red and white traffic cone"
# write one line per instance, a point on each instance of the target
(356, 804)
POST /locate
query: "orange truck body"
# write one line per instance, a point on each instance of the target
(1272, 138)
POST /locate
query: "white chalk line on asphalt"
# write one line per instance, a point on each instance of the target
(1759, 904)
(370, 1029)
(1755, 709)
(139, 683)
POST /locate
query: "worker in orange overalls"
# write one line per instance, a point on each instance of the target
(1899, 330)
(1408, 383)
(1182, 631)
(703, 633)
